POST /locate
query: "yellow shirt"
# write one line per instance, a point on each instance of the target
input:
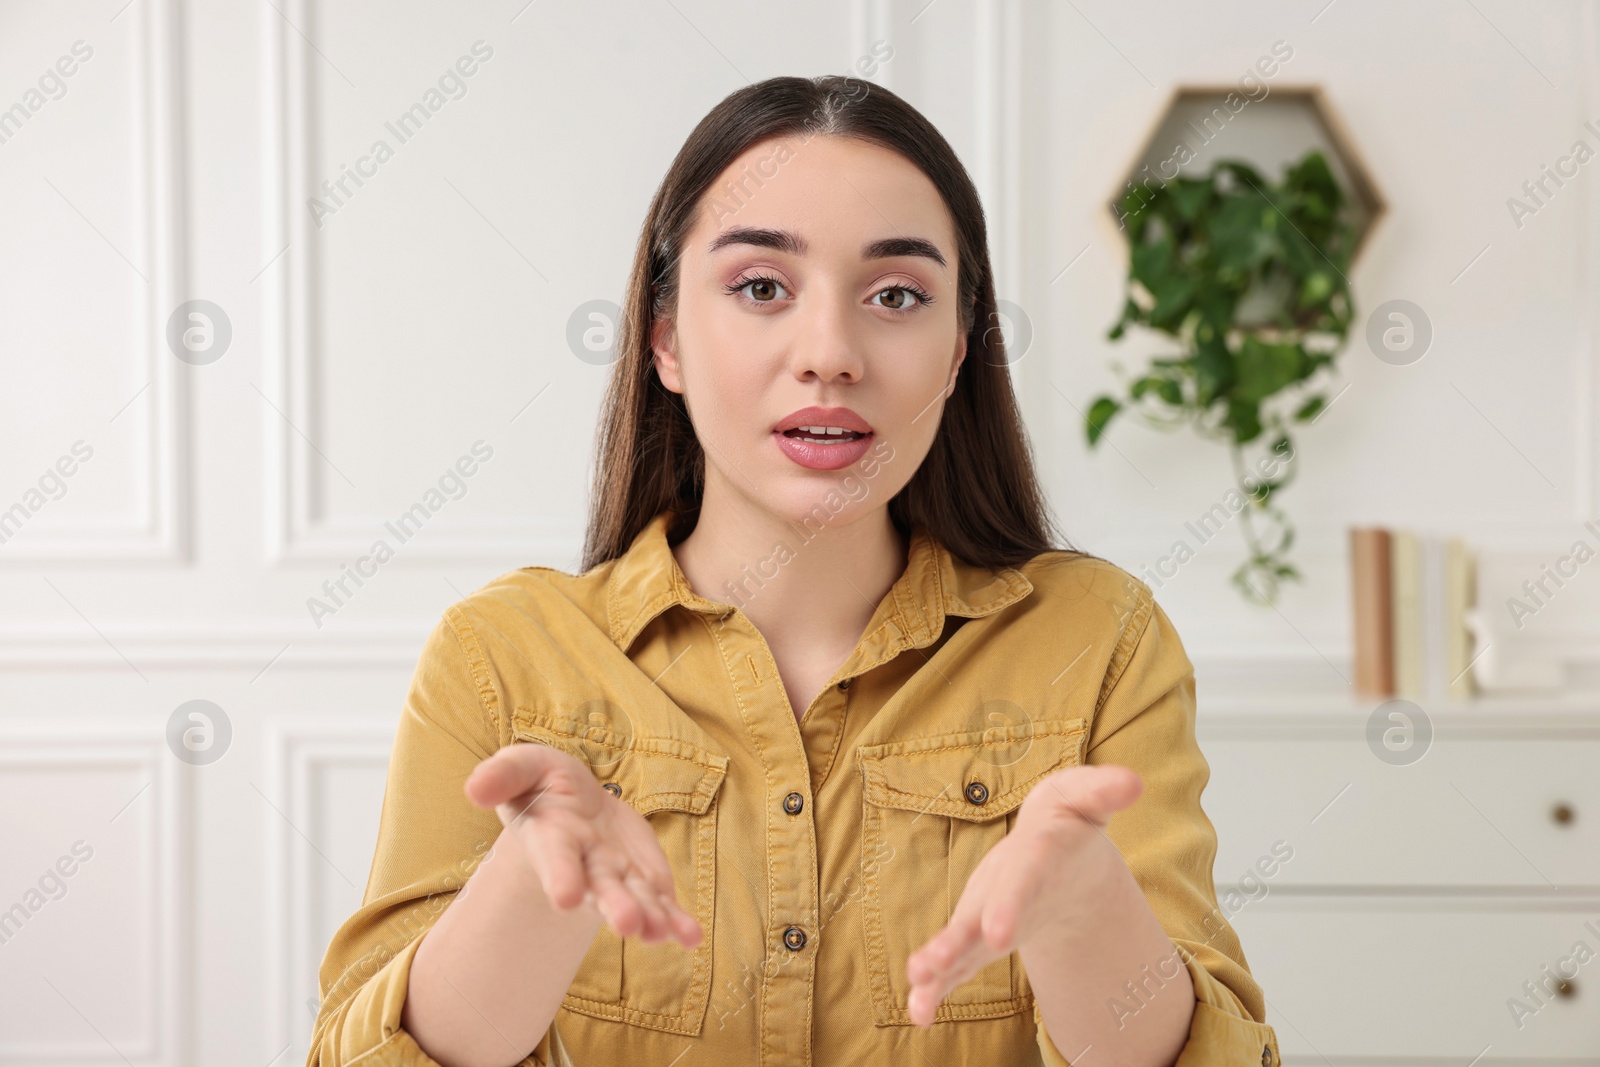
(819, 854)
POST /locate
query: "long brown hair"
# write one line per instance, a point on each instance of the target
(976, 491)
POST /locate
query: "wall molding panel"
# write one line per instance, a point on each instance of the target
(160, 532)
(159, 812)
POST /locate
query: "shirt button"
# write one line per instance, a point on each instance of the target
(613, 788)
(845, 684)
(794, 803)
(977, 792)
(1266, 1056)
(794, 939)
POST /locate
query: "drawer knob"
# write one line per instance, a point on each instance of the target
(1562, 813)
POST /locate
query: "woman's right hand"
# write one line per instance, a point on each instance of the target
(584, 844)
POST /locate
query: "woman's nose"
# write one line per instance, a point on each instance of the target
(829, 342)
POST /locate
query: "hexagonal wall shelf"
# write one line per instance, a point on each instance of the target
(1199, 125)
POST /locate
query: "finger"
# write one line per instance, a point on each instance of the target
(655, 868)
(656, 927)
(926, 996)
(680, 923)
(685, 927)
(1094, 792)
(978, 933)
(504, 775)
(644, 850)
(997, 925)
(618, 905)
(932, 959)
(925, 1000)
(961, 931)
(559, 862)
(960, 960)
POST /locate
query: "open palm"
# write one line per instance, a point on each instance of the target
(585, 844)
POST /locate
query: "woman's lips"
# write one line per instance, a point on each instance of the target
(823, 457)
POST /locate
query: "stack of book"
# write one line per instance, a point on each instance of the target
(1412, 595)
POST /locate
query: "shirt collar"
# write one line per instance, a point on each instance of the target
(647, 580)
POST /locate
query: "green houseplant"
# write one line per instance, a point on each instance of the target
(1247, 279)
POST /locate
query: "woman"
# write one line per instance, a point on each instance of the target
(827, 756)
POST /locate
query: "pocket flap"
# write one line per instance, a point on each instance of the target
(654, 773)
(976, 776)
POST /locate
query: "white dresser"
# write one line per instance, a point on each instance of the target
(1422, 900)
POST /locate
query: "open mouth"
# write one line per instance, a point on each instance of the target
(824, 435)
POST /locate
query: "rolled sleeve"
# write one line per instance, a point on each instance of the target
(1146, 722)
(1220, 1031)
(430, 840)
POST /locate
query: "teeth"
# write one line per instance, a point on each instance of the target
(821, 429)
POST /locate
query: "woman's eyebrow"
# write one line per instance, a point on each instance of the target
(792, 243)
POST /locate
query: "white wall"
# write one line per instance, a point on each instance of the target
(430, 312)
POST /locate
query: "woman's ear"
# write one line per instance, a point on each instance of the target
(955, 367)
(663, 348)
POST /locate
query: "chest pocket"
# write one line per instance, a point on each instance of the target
(932, 808)
(674, 785)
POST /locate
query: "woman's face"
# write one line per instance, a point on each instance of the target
(822, 275)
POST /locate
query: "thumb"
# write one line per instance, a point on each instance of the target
(508, 773)
(1093, 792)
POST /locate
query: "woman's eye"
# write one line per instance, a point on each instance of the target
(900, 297)
(759, 290)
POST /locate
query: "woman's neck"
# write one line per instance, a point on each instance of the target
(803, 585)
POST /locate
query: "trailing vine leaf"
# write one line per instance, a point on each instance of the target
(1099, 415)
(1246, 277)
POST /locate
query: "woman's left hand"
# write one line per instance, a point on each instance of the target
(1041, 877)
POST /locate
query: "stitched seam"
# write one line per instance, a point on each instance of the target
(945, 742)
(611, 611)
(648, 608)
(376, 1048)
(1018, 586)
(891, 792)
(698, 999)
(625, 748)
(1131, 636)
(477, 664)
(988, 1009)
(623, 1011)
(505, 731)
(903, 626)
(695, 1002)
(939, 597)
(767, 776)
(838, 739)
(872, 915)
